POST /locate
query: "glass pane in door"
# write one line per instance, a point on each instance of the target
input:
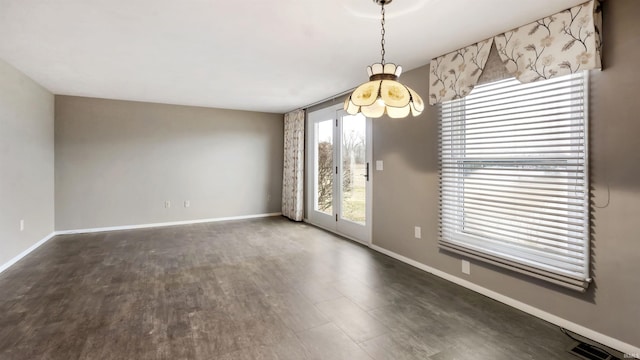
(354, 168)
(324, 169)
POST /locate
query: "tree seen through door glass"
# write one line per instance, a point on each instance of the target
(354, 163)
(324, 167)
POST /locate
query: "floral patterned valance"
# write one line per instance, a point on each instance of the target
(454, 75)
(560, 44)
(557, 45)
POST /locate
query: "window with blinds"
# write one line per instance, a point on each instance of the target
(514, 178)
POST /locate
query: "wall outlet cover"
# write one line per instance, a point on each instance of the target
(466, 267)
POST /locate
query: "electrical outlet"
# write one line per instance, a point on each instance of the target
(167, 204)
(417, 232)
(466, 267)
(187, 203)
(21, 225)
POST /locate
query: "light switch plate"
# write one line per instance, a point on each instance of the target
(417, 232)
(379, 165)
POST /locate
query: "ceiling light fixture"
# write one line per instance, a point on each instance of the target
(382, 94)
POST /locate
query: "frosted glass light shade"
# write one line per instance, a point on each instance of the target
(382, 94)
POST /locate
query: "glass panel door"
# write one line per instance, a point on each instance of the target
(338, 183)
(321, 165)
(353, 189)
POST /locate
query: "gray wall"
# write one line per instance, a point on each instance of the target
(406, 192)
(26, 162)
(117, 162)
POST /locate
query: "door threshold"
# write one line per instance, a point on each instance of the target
(361, 242)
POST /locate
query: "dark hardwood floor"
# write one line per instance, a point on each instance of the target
(255, 289)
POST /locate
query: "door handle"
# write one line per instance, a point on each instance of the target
(366, 175)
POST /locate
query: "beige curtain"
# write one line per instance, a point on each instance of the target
(561, 44)
(293, 169)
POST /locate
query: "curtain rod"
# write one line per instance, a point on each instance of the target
(333, 97)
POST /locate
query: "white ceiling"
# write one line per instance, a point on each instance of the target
(261, 55)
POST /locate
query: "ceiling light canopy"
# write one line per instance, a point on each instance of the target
(383, 94)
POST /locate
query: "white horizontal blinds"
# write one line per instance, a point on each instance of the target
(514, 181)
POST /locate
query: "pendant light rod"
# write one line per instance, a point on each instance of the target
(382, 32)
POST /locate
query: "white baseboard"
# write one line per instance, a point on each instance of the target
(172, 223)
(628, 349)
(17, 258)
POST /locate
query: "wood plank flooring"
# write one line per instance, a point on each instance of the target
(255, 289)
